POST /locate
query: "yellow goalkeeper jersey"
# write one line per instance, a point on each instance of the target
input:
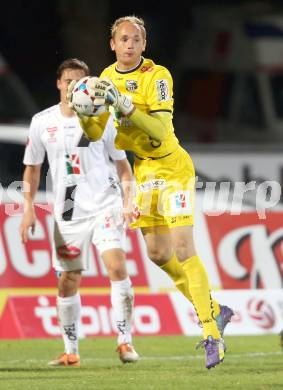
(150, 87)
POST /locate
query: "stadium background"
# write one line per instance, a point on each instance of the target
(228, 89)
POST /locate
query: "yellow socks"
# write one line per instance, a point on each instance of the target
(200, 293)
(174, 269)
(190, 278)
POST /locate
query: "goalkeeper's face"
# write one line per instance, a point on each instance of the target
(68, 75)
(128, 44)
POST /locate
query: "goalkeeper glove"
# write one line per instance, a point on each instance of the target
(97, 91)
(105, 89)
(69, 93)
(119, 101)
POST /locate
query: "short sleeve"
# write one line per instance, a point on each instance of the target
(160, 91)
(35, 150)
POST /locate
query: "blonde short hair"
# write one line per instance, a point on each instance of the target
(132, 19)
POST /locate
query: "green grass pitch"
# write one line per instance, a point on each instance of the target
(251, 362)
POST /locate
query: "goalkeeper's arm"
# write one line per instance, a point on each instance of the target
(155, 125)
(94, 126)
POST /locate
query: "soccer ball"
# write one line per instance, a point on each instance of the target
(82, 101)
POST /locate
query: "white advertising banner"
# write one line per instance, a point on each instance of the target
(257, 312)
(244, 166)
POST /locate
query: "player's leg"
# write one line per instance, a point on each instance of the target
(159, 246)
(68, 313)
(122, 299)
(69, 308)
(110, 243)
(70, 249)
(183, 243)
(178, 199)
(160, 251)
(149, 204)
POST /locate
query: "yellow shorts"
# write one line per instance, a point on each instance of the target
(165, 191)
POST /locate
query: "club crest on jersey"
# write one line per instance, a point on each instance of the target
(131, 85)
(162, 90)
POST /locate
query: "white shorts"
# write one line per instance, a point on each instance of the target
(72, 239)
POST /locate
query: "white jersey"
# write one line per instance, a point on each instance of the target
(83, 179)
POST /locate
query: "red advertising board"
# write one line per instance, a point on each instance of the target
(30, 265)
(28, 316)
(248, 251)
(255, 312)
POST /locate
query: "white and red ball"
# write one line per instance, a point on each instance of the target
(82, 100)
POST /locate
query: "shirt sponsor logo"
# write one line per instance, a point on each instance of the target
(146, 69)
(131, 85)
(162, 90)
(52, 132)
(152, 185)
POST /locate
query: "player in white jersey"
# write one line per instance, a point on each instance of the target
(88, 207)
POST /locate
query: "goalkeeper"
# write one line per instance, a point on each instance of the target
(140, 93)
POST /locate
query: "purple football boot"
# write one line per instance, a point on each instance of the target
(223, 318)
(214, 351)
